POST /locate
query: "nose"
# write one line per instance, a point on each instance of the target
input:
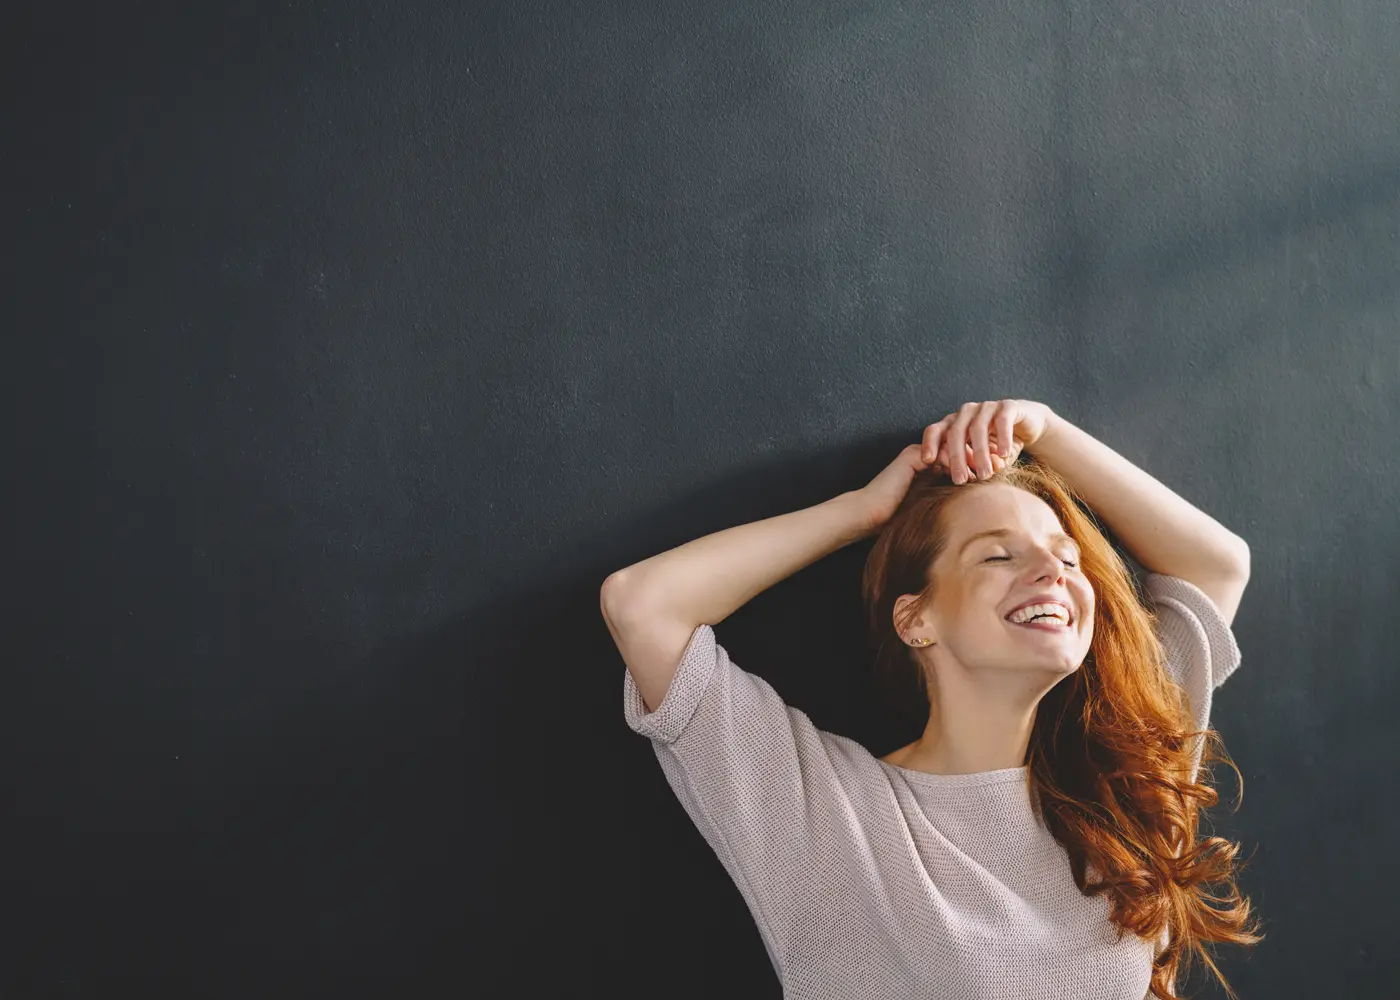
(1053, 572)
(1057, 567)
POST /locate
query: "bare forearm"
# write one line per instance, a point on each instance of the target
(1162, 530)
(706, 580)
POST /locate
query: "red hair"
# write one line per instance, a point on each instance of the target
(1112, 746)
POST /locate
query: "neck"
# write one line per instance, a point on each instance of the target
(977, 726)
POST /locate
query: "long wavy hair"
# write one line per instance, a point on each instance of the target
(1112, 746)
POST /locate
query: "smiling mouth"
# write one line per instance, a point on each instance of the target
(1043, 626)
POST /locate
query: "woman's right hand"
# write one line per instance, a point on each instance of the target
(882, 496)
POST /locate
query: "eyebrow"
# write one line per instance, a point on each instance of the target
(1058, 536)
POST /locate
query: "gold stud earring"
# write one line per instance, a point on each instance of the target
(920, 642)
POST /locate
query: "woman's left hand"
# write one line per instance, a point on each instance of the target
(1017, 422)
(991, 433)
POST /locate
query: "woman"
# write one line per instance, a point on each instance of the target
(1039, 839)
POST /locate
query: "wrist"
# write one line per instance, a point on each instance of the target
(1054, 424)
(863, 515)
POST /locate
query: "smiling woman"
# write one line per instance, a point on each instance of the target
(1041, 834)
(1105, 718)
(1002, 548)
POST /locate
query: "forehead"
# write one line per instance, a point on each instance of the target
(1003, 512)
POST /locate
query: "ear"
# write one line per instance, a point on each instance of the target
(902, 605)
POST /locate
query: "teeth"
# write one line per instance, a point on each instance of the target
(1027, 613)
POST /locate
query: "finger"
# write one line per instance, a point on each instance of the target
(932, 434)
(974, 464)
(1005, 421)
(938, 440)
(943, 458)
(957, 442)
(981, 448)
(966, 475)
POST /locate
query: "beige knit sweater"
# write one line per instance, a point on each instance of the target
(870, 881)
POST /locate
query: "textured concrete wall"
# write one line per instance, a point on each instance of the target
(352, 346)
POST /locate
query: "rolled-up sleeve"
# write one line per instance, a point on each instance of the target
(748, 769)
(1199, 646)
(1195, 635)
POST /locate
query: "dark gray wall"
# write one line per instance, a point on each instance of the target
(351, 347)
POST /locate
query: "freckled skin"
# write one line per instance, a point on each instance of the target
(986, 675)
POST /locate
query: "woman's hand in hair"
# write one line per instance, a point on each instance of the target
(986, 436)
(881, 497)
(1019, 422)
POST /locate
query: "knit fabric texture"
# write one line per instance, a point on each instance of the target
(870, 881)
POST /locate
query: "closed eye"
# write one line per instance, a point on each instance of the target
(994, 558)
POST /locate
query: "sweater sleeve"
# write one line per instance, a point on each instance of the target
(748, 769)
(1200, 648)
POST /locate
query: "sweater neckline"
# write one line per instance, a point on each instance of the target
(996, 777)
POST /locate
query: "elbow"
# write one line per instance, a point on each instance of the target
(1241, 556)
(612, 597)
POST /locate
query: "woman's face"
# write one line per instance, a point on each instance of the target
(981, 578)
